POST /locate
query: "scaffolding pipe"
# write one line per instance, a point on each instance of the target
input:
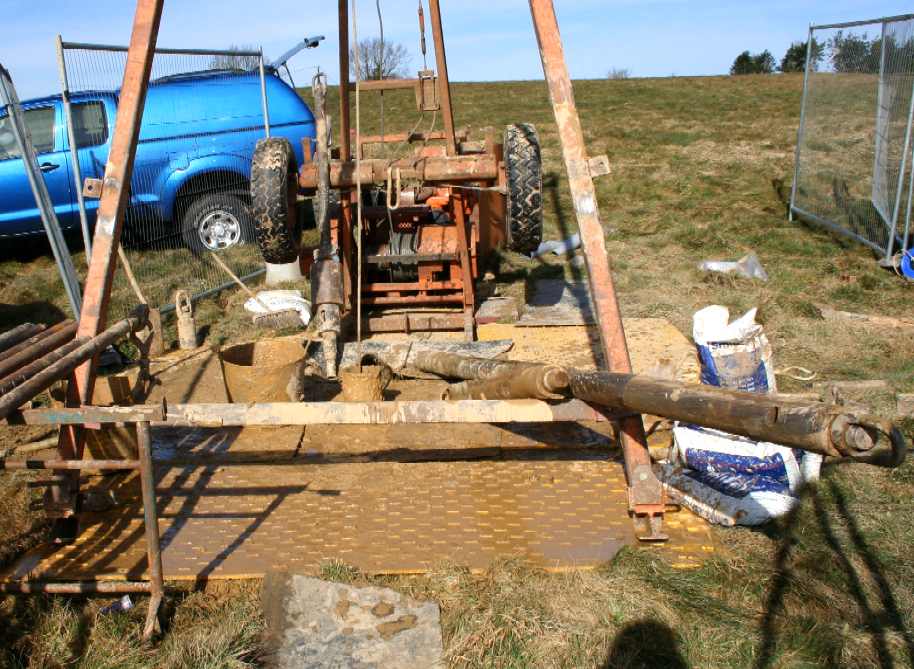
(66, 365)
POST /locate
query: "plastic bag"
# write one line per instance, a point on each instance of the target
(280, 300)
(557, 247)
(749, 267)
(726, 478)
(733, 480)
(733, 355)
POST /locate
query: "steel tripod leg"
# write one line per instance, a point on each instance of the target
(646, 498)
(151, 526)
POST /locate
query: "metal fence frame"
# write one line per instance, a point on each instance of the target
(905, 172)
(61, 47)
(10, 99)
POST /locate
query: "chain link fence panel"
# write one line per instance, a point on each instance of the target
(853, 162)
(189, 194)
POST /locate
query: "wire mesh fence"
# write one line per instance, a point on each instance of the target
(30, 165)
(853, 163)
(189, 194)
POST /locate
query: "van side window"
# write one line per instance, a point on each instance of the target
(8, 148)
(90, 124)
(40, 123)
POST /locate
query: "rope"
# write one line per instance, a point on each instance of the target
(804, 374)
(358, 180)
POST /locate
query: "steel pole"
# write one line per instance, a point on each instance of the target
(444, 82)
(151, 527)
(74, 150)
(80, 588)
(40, 192)
(263, 97)
(44, 379)
(801, 128)
(345, 121)
(646, 497)
(19, 334)
(890, 244)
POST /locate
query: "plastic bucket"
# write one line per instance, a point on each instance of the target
(261, 371)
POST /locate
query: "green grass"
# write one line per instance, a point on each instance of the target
(699, 170)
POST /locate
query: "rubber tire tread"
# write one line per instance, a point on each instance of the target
(524, 172)
(273, 173)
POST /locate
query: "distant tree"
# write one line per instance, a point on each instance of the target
(380, 60)
(618, 73)
(855, 53)
(742, 64)
(759, 63)
(236, 61)
(764, 62)
(795, 58)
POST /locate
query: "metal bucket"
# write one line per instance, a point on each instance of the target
(262, 371)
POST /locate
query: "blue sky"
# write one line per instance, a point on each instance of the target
(486, 39)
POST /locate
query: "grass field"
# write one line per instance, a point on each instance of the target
(699, 169)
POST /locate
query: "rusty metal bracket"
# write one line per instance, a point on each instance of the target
(93, 188)
(427, 91)
(599, 166)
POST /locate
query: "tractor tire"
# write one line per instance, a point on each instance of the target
(524, 172)
(274, 193)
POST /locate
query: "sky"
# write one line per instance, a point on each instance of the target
(486, 39)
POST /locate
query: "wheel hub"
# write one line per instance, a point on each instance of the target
(219, 229)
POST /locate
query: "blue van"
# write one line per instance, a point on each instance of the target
(193, 160)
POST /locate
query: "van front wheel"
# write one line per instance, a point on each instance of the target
(215, 222)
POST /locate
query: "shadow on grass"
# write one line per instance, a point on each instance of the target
(847, 556)
(647, 644)
(44, 312)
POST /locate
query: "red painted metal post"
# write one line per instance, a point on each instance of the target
(646, 498)
(111, 207)
(444, 82)
(344, 232)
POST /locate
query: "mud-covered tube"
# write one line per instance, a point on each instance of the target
(274, 190)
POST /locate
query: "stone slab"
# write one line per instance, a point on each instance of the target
(324, 625)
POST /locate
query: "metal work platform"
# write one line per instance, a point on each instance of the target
(292, 497)
(555, 509)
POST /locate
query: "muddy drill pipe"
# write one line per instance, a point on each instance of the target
(554, 379)
(488, 379)
(64, 366)
(810, 426)
(19, 334)
(533, 381)
(326, 272)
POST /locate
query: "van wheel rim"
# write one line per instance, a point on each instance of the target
(219, 229)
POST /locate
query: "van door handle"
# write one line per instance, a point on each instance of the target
(48, 167)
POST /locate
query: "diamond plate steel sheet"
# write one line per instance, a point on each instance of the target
(554, 509)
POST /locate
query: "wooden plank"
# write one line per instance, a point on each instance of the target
(830, 314)
(379, 413)
(88, 414)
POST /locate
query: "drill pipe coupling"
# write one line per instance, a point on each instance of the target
(868, 439)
